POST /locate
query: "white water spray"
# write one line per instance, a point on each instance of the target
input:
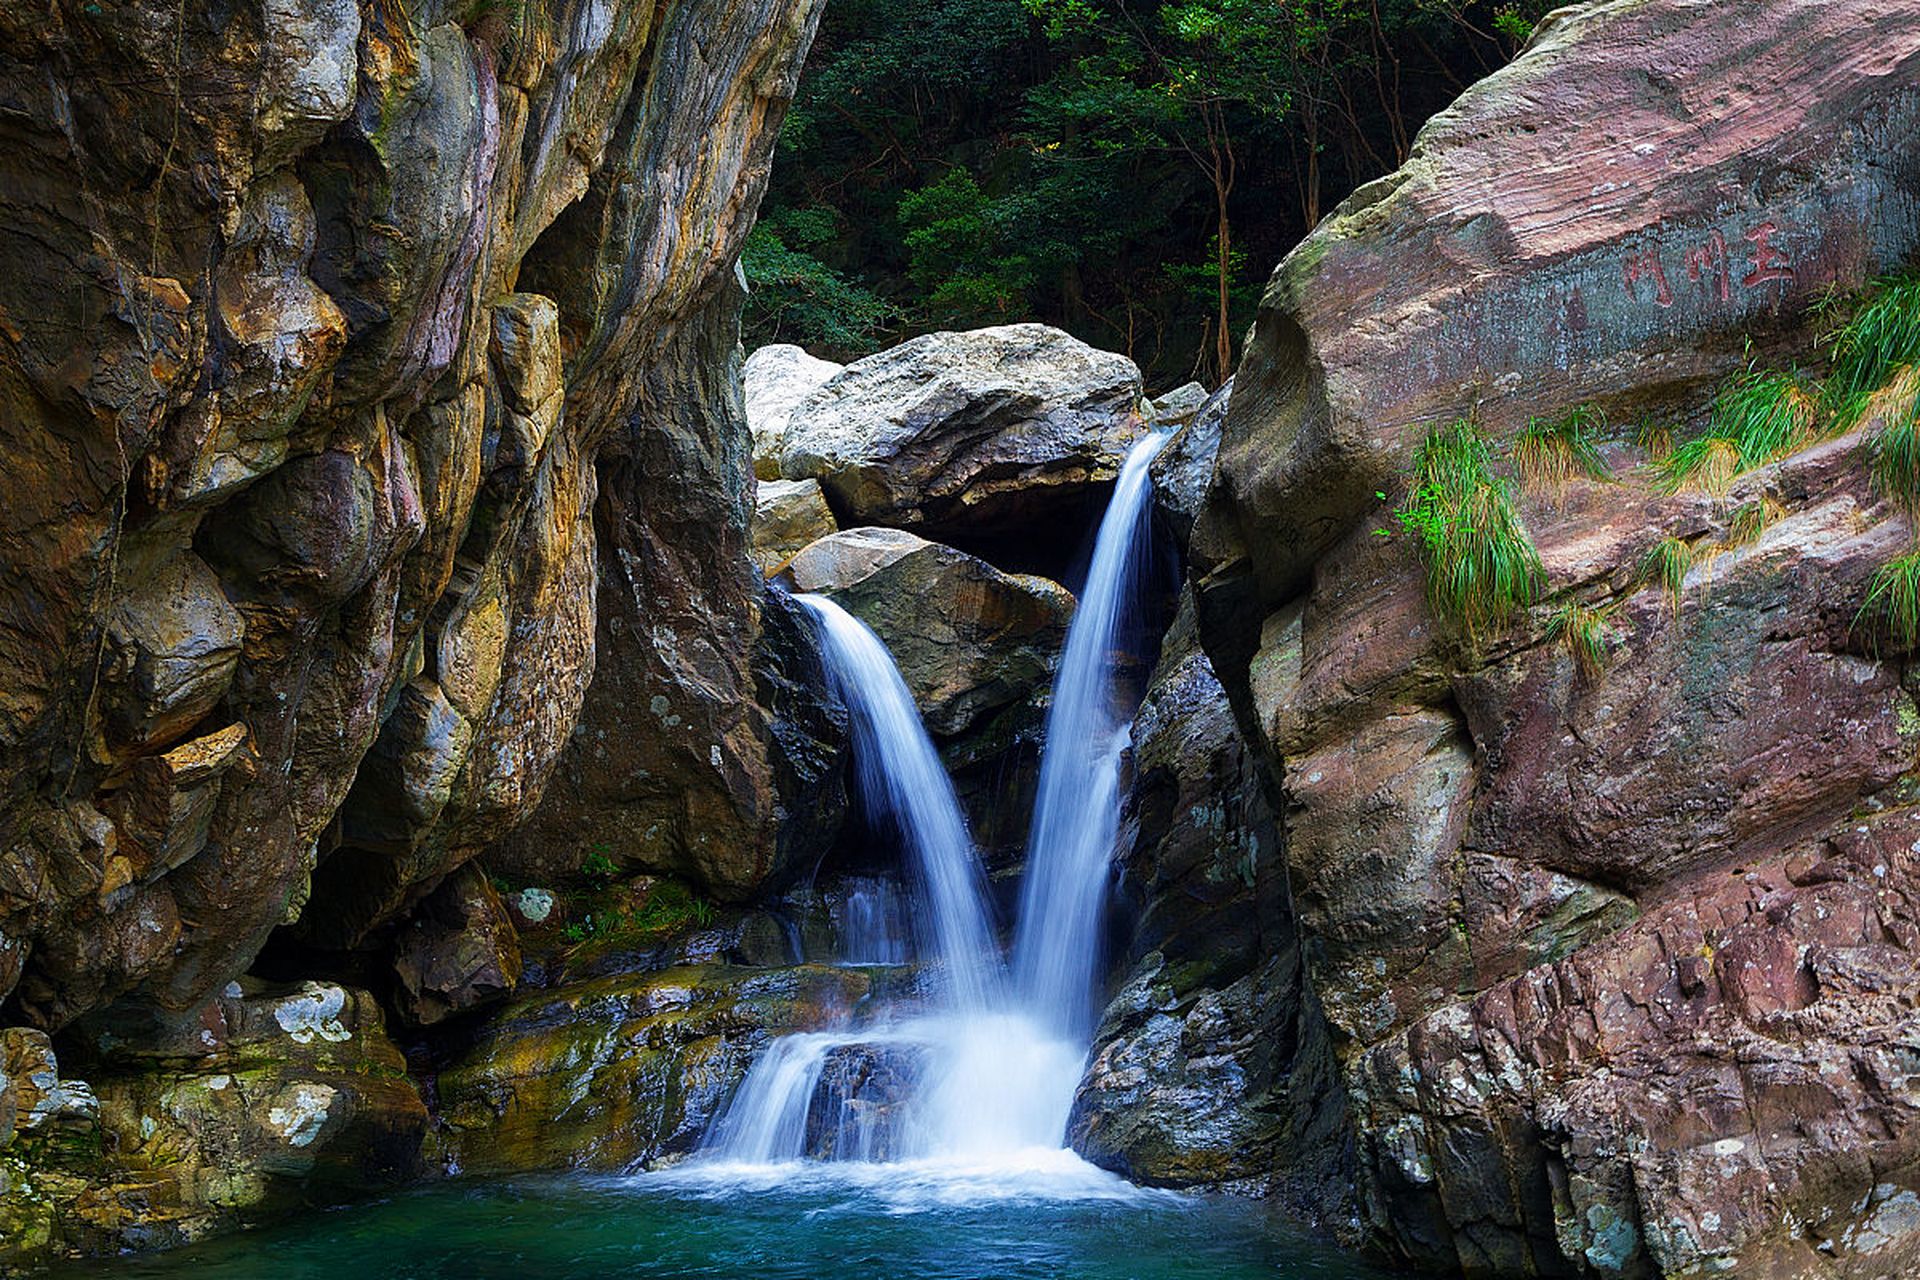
(985, 1077)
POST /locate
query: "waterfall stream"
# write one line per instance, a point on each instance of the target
(980, 1073)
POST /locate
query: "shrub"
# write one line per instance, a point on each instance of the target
(1548, 453)
(1583, 631)
(1481, 565)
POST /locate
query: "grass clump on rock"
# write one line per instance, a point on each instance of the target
(1481, 564)
(1758, 415)
(1550, 452)
(1583, 630)
(1893, 598)
(1871, 351)
(1751, 519)
(1666, 565)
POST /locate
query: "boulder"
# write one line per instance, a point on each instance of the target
(1177, 407)
(967, 434)
(775, 378)
(968, 639)
(262, 1100)
(787, 515)
(457, 952)
(1184, 468)
(610, 1072)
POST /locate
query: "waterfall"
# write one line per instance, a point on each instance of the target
(1077, 812)
(902, 781)
(982, 1075)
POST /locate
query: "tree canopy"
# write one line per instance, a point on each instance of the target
(1129, 170)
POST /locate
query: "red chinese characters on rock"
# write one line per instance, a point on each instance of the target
(1648, 264)
(1768, 262)
(1708, 263)
(1709, 266)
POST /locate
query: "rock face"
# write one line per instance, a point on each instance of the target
(775, 379)
(601, 1074)
(787, 515)
(371, 383)
(977, 648)
(1530, 257)
(966, 433)
(1211, 1065)
(323, 355)
(267, 1100)
(1607, 957)
(969, 639)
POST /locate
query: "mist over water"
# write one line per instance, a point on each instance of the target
(972, 1084)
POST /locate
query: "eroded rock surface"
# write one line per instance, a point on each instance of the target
(775, 379)
(966, 433)
(370, 383)
(1607, 956)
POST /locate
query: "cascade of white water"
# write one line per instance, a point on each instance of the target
(902, 780)
(1077, 811)
(872, 923)
(985, 1075)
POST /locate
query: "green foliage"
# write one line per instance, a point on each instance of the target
(1481, 564)
(1510, 22)
(798, 298)
(597, 865)
(1090, 163)
(1584, 632)
(1666, 566)
(1893, 599)
(1750, 520)
(1549, 453)
(619, 916)
(1759, 415)
(1871, 348)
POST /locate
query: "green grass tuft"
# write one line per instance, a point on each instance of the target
(1584, 632)
(1666, 565)
(1549, 453)
(1750, 520)
(1895, 450)
(1481, 564)
(1758, 415)
(1869, 350)
(1654, 437)
(1893, 598)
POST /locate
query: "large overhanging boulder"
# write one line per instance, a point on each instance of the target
(967, 434)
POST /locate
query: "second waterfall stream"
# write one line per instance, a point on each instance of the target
(977, 1071)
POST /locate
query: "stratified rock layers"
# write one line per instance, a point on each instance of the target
(370, 384)
(1616, 964)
